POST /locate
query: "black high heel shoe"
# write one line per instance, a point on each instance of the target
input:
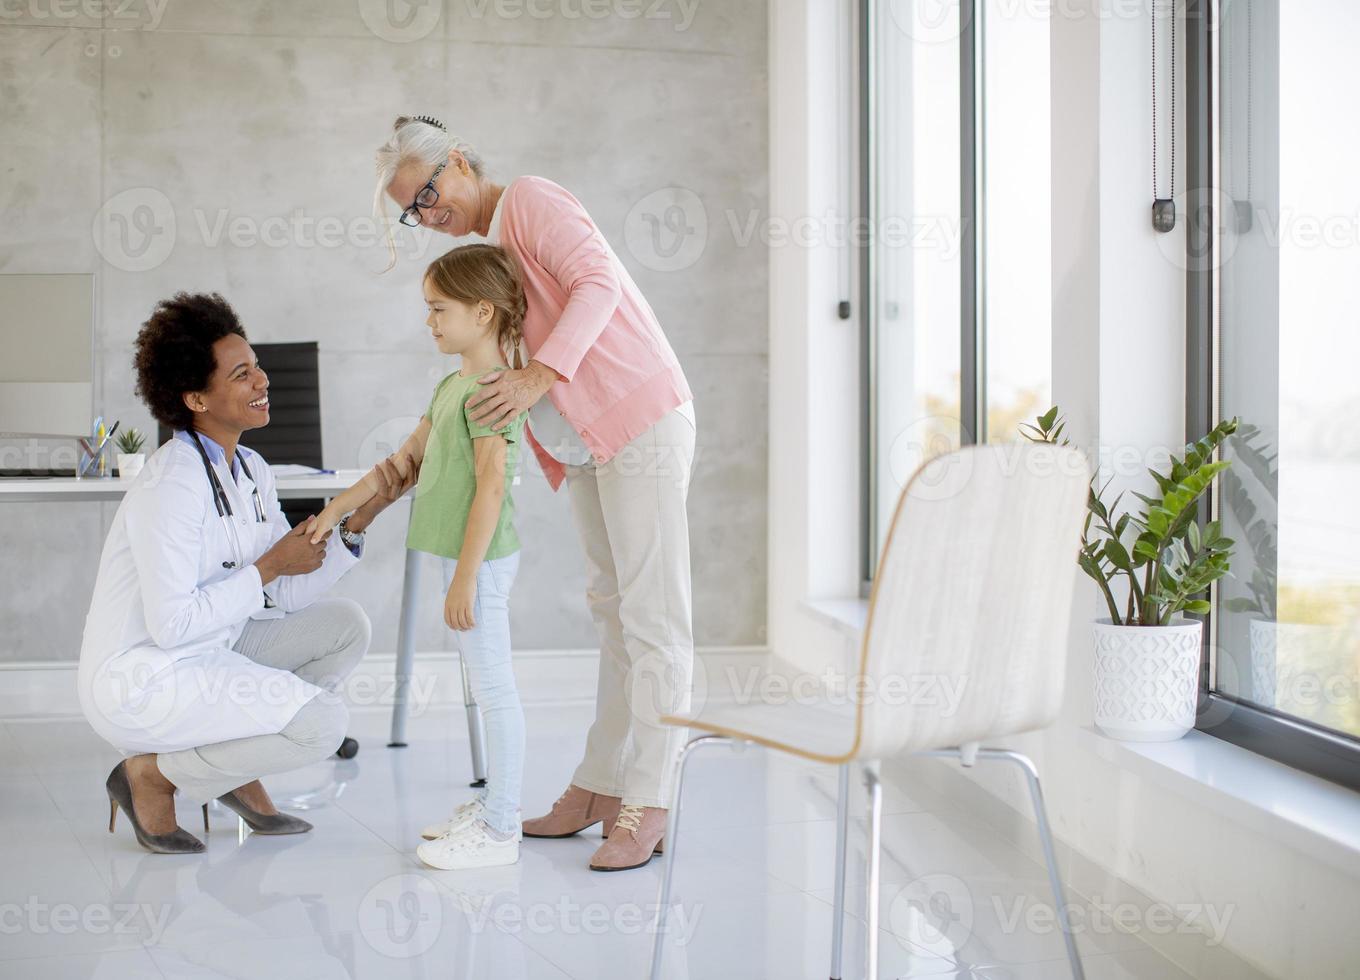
(261, 823)
(178, 841)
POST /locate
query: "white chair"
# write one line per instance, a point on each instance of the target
(974, 586)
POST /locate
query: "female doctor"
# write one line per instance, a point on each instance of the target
(209, 658)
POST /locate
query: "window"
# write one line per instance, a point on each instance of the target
(914, 273)
(1274, 283)
(955, 146)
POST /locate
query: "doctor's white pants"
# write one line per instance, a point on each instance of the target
(321, 644)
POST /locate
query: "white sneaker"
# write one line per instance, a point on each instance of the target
(462, 815)
(468, 847)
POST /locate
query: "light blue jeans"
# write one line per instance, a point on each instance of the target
(486, 651)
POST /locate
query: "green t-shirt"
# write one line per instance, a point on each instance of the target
(448, 475)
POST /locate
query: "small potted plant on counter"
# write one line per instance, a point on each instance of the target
(130, 457)
(1158, 562)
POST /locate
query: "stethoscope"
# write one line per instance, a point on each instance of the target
(223, 502)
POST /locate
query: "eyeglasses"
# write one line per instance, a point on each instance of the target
(425, 198)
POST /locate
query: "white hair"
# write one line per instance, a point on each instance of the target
(415, 140)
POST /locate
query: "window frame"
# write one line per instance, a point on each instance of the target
(1284, 738)
(972, 322)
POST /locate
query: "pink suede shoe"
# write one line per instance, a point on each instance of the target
(574, 811)
(635, 838)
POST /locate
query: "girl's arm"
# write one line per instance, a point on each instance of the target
(370, 483)
(489, 458)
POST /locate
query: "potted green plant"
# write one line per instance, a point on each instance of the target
(1151, 564)
(130, 458)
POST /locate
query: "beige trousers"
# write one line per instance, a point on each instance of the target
(630, 513)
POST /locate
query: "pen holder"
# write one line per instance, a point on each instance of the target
(93, 460)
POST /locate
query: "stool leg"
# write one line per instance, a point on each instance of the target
(476, 729)
(406, 647)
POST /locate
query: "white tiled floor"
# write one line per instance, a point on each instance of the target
(350, 899)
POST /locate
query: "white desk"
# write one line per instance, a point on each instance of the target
(57, 489)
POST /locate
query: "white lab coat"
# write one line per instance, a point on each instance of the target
(157, 669)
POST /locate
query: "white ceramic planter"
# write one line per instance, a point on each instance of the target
(130, 464)
(1147, 680)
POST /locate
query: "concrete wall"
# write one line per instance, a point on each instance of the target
(208, 145)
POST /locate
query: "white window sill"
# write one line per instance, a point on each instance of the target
(1310, 814)
(848, 616)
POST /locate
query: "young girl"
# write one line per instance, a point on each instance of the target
(463, 511)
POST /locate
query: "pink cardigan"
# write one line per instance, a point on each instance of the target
(587, 321)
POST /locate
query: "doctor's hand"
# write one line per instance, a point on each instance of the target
(459, 602)
(293, 554)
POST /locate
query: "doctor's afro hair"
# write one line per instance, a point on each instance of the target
(174, 352)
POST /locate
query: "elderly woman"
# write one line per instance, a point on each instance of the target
(611, 416)
(209, 659)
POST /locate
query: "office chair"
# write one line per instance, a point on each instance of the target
(975, 585)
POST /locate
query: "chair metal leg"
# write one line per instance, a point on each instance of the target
(838, 901)
(406, 647)
(1036, 796)
(875, 788)
(476, 729)
(1045, 839)
(668, 858)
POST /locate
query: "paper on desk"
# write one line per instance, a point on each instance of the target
(293, 469)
